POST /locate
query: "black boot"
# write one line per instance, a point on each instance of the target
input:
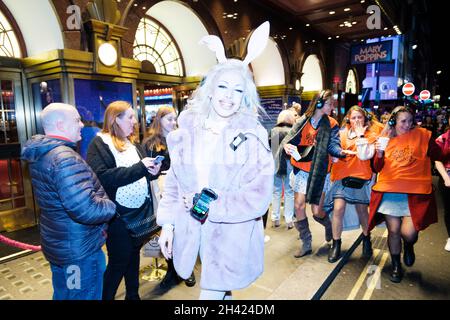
(190, 282)
(171, 278)
(397, 271)
(409, 256)
(367, 246)
(325, 221)
(335, 251)
(305, 237)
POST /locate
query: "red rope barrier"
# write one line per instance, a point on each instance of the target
(17, 244)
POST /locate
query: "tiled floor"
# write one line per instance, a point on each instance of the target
(284, 277)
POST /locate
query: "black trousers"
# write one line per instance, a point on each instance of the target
(123, 261)
(445, 194)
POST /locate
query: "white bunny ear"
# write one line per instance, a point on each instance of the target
(258, 42)
(215, 44)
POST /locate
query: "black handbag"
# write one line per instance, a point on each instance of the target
(141, 222)
(354, 183)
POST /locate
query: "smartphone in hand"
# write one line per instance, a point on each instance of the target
(201, 204)
(158, 160)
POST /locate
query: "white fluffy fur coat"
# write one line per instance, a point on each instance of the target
(231, 241)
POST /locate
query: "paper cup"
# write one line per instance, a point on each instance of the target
(383, 142)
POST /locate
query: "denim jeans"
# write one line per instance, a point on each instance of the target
(81, 280)
(279, 181)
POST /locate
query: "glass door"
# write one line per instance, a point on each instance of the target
(16, 200)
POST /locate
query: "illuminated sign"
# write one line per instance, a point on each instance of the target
(371, 53)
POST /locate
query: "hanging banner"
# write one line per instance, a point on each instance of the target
(371, 53)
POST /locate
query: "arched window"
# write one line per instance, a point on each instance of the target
(268, 68)
(312, 74)
(350, 85)
(154, 44)
(9, 45)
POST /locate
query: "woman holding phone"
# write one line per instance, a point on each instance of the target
(221, 178)
(155, 145)
(125, 173)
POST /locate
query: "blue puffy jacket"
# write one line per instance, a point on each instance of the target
(74, 205)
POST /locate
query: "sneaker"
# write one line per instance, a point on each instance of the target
(275, 224)
(290, 225)
(447, 245)
(266, 238)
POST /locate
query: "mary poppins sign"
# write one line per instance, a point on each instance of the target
(372, 52)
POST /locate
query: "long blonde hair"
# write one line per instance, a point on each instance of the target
(155, 138)
(250, 104)
(117, 109)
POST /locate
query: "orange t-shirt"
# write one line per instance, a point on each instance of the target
(351, 166)
(407, 168)
(308, 136)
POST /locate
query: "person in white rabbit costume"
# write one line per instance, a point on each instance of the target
(220, 145)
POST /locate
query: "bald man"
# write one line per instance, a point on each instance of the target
(74, 206)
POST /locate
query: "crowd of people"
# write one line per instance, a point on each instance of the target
(217, 174)
(383, 170)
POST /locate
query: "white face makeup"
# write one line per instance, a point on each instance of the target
(126, 122)
(169, 122)
(404, 123)
(228, 93)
